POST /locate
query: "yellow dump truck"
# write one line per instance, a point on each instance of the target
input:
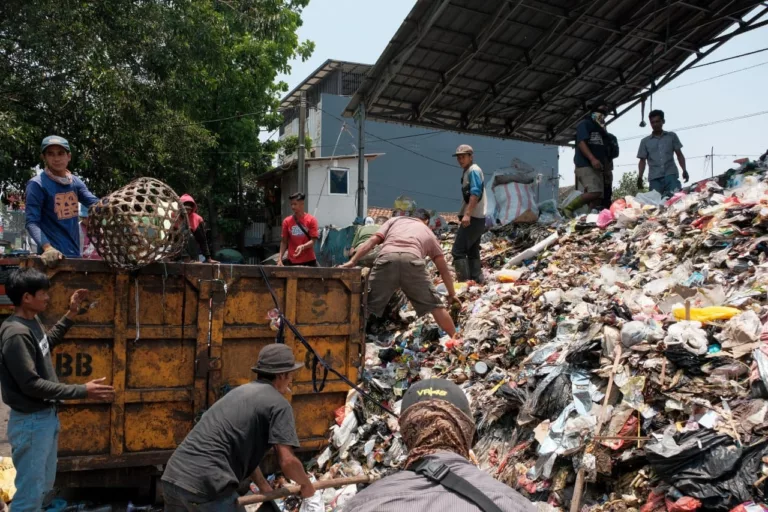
(173, 338)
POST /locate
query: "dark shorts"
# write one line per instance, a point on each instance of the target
(405, 271)
(287, 263)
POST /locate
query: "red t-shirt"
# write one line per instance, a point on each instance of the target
(296, 237)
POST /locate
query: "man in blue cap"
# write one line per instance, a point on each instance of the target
(53, 198)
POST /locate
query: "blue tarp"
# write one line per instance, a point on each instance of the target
(332, 247)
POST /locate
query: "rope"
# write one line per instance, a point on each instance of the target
(138, 327)
(317, 359)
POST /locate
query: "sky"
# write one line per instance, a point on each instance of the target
(359, 30)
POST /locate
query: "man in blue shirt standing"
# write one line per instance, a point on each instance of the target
(466, 247)
(52, 204)
(657, 149)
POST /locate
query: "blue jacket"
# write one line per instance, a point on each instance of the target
(52, 213)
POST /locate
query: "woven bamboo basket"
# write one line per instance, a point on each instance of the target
(142, 223)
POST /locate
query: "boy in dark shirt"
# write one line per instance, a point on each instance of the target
(30, 386)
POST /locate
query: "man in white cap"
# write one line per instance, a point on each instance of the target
(52, 207)
(466, 247)
(230, 440)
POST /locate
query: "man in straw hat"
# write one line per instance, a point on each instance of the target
(232, 437)
(438, 429)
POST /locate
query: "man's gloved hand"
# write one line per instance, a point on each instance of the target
(640, 183)
(51, 257)
(685, 176)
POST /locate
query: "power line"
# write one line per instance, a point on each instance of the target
(693, 158)
(712, 78)
(237, 116)
(754, 114)
(728, 58)
(452, 166)
(456, 200)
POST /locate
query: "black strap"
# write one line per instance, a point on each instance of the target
(317, 360)
(439, 473)
(302, 228)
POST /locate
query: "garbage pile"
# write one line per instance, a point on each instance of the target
(629, 347)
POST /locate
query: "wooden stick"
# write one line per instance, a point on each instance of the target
(687, 310)
(286, 491)
(579, 488)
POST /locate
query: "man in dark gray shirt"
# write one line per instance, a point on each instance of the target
(437, 427)
(227, 444)
(30, 387)
(657, 150)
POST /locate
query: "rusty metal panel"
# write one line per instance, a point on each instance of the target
(323, 303)
(143, 335)
(84, 429)
(157, 426)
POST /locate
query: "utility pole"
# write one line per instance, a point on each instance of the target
(303, 182)
(712, 160)
(361, 161)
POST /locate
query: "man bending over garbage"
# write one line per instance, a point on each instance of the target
(437, 427)
(406, 242)
(230, 440)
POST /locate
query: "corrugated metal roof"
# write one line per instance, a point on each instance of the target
(526, 69)
(317, 76)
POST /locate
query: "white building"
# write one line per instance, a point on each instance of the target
(331, 193)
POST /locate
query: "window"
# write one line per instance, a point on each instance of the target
(338, 181)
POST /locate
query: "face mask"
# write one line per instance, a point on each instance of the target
(599, 118)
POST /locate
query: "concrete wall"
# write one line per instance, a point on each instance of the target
(434, 185)
(337, 210)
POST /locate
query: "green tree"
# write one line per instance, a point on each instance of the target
(176, 90)
(628, 185)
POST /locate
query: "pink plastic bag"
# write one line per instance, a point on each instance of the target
(604, 219)
(675, 198)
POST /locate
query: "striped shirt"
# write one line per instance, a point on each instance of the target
(406, 490)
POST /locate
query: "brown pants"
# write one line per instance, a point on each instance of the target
(405, 271)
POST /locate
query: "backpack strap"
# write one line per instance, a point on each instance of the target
(439, 473)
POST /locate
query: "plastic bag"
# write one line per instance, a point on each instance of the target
(314, 503)
(611, 275)
(604, 219)
(709, 314)
(684, 504)
(637, 332)
(688, 334)
(628, 217)
(617, 206)
(405, 203)
(652, 198)
(743, 328)
(515, 202)
(7, 477)
(509, 276)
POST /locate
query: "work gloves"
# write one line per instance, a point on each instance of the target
(51, 257)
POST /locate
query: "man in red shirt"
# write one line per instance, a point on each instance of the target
(299, 235)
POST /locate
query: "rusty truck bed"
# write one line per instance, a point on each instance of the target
(174, 338)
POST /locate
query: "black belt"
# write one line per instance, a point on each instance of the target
(439, 473)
